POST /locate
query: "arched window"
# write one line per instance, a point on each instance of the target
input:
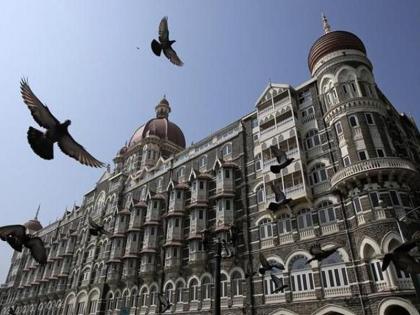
(143, 297)
(301, 277)
(326, 212)
(403, 278)
(206, 288)
(258, 163)
(133, 298)
(353, 121)
(375, 266)
(227, 149)
(334, 275)
(224, 285)
(260, 193)
(284, 224)
(269, 286)
(305, 219)
(180, 173)
(169, 292)
(266, 229)
(193, 290)
(203, 161)
(153, 295)
(318, 174)
(236, 284)
(312, 139)
(179, 292)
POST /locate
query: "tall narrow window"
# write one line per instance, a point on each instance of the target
(353, 121)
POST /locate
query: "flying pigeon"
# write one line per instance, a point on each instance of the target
(164, 303)
(16, 236)
(268, 266)
(165, 44)
(282, 159)
(280, 198)
(320, 254)
(402, 259)
(278, 284)
(96, 229)
(43, 143)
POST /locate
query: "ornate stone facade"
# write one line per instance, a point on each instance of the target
(353, 176)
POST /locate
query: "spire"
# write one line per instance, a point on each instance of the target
(163, 109)
(37, 212)
(325, 25)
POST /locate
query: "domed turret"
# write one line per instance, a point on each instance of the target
(160, 127)
(34, 225)
(333, 41)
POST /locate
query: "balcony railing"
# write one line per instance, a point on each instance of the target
(371, 165)
(329, 228)
(339, 291)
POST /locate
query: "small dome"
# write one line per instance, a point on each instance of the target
(33, 225)
(333, 41)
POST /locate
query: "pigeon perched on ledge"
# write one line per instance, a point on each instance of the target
(16, 236)
(165, 44)
(43, 143)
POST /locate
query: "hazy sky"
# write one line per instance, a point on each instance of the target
(81, 60)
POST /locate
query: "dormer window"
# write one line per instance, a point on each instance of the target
(203, 161)
(227, 149)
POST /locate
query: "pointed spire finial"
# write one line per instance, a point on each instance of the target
(325, 25)
(108, 168)
(269, 81)
(37, 212)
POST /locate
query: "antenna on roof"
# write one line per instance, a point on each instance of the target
(37, 212)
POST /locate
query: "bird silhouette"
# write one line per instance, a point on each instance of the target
(97, 229)
(402, 259)
(281, 158)
(12, 310)
(43, 143)
(205, 238)
(164, 303)
(280, 198)
(165, 44)
(268, 266)
(320, 254)
(16, 236)
(278, 284)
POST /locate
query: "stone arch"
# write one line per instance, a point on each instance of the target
(344, 72)
(331, 198)
(396, 301)
(364, 74)
(329, 308)
(369, 244)
(237, 269)
(224, 272)
(296, 254)
(387, 239)
(325, 81)
(167, 283)
(283, 311)
(191, 279)
(206, 275)
(265, 216)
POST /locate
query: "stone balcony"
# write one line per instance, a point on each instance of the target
(369, 167)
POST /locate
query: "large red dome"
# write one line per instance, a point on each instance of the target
(333, 41)
(162, 128)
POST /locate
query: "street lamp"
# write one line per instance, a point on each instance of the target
(219, 245)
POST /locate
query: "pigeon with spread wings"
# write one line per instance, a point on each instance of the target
(281, 158)
(164, 44)
(402, 259)
(97, 229)
(268, 266)
(16, 236)
(320, 254)
(278, 284)
(280, 198)
(43, 143)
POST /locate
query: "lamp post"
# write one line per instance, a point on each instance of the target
(218, 261)
(413, 276)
